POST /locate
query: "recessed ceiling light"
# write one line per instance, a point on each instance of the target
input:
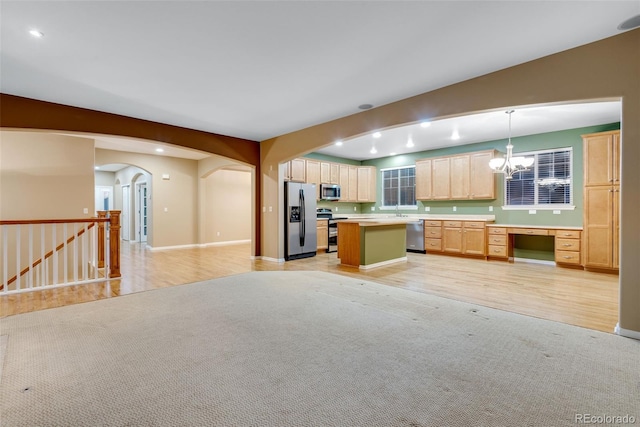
(392, 154)
(365, 106)
(630, 23)
(97, 167)
(338, 143)
(37, 34)
(455, 135)
(160, 150)
(425, 124)
(373, 150)
(410, 142)
(377, 134)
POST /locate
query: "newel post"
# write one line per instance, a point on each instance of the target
(101, 215)
(114, 243)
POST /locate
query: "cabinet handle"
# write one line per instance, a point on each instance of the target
(496, 250)
(529, 232)
(567, 244)
(567, 234)
(567, 257)
(496, 240)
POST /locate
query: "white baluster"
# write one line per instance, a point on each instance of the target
(18, 257)
(5, 261)
(30, 260)
(43, 263)
(64, 254)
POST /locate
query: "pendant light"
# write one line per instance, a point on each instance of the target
(509, 164)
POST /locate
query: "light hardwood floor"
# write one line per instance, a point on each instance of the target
(570, 296)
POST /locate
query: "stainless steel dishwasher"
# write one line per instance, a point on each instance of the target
(415, 236)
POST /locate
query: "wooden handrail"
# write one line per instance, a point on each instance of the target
(48, 254)
(101, 220)
(51, 221)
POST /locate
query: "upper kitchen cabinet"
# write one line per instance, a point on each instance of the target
(313, 174)
(296, 170)
(329, 173)
(460, 177)
(348, 180)
(602, 158)
(423, 179)
(482, 184)
(366, 184)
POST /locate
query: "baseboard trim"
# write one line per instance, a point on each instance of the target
(278, 260)
(168, 248)
(535, 261)
(227, 243)
(382, 263)
(626, 332)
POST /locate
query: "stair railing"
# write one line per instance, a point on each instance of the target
(32, 259)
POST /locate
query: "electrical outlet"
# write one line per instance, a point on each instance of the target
(166, 209)
(490, 208)
(336, 209)
(270, 208)
(85, 210)
(532, 211)
(218, 234)
(556, 211)
(455, 208)
(355, 209)
(373, 208)
(427, 208)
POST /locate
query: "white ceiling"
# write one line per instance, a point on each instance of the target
(258, 69)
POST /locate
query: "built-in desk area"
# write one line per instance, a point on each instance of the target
(567, 252)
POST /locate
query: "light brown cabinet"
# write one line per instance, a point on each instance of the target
(433, 235)
(366, 184)
(329, 173)
(464, 237)
(461, 177)
(295, 170)
(313, 174)
(423, 179)
(497, 242)
(601, 200)
(567, 247)
(322, 229)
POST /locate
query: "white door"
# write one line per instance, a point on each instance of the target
(143, 210)
(126, 204)
(104, 198)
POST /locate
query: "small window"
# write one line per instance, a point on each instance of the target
(548, 184)
(399, 187)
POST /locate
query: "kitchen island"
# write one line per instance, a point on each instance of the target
(369, 243)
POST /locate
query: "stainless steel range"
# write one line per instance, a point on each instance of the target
(327, 213)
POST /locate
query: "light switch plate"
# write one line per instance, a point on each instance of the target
(490, 208)
(532, 211)
(427, 208)
(455, 208)
(556, 211)
(373, 208)
(85, 210)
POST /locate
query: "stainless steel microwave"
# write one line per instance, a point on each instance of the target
(329, 192)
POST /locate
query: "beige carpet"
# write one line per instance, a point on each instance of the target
(306, 349)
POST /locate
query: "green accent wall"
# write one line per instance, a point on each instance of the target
(382, 243)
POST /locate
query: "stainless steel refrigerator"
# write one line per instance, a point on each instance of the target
(300, 240)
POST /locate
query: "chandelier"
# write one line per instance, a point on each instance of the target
(509, 164)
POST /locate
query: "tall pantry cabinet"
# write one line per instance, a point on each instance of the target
(601, 200)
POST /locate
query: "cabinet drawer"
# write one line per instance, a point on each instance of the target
(433, 232)
(434, 245)
(499, 251)
(568, 234)
(473, 224)
(566, 257)
(568, 244)
(455, 224)
(432, 223)
(530, 231)
(497, 230)
(498, 240)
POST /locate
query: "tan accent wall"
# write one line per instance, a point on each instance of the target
(607, 69)
(227, 206)
(45, 176)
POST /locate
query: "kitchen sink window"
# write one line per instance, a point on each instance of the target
(399, 187)
(547, 185)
